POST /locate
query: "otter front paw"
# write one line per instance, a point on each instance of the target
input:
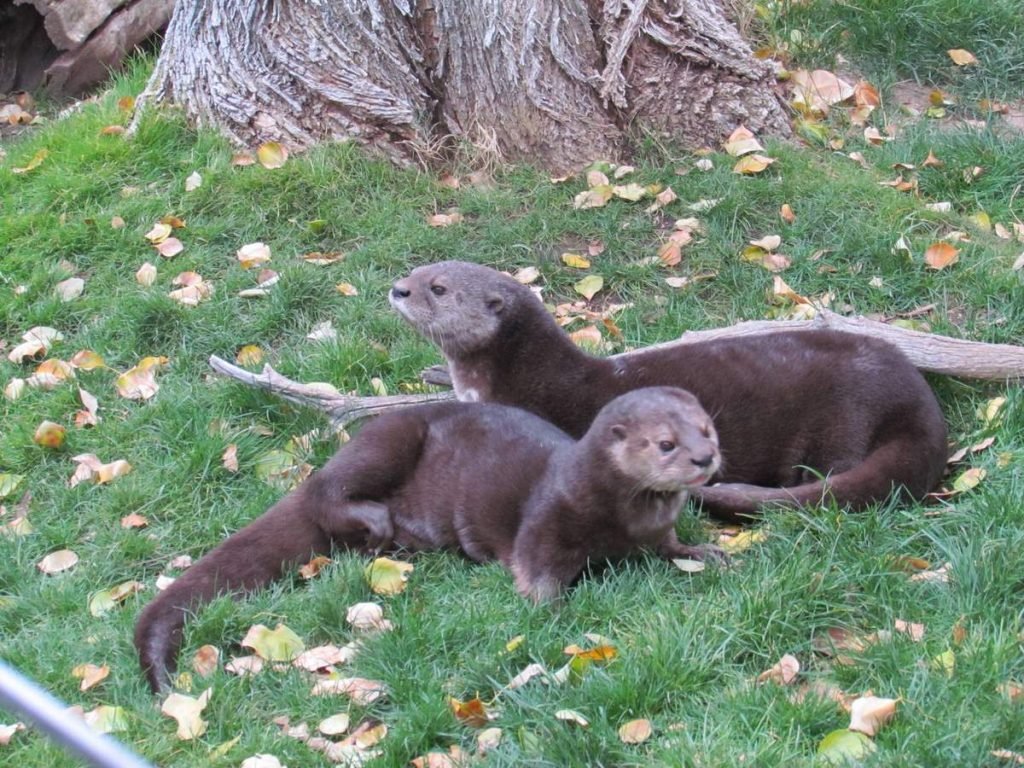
(707, 553)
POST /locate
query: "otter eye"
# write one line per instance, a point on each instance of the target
(438, 290)
(666, 446)
(706, 430)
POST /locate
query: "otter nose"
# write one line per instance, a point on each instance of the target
(704, 461)
(399, 290)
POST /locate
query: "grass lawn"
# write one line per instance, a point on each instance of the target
(689, 646)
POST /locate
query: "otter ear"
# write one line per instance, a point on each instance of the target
(495, 303)
(619, 431)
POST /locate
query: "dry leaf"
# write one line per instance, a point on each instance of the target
(688, 566)
(1006, 754)
(940, 255)
(253, 254)
(335, 725)
(325, 656)
(35, 162)
(388, 577)
(90, 675)
(158, 233)
(869, 713)
(529, 672)
(106, 600)
(193, 181)
(205, 660)
(146, 275)
(271, 155)
(91, 469)
(139, 383)
(444, 219)
(635, 731)
(740, 142)
(244, 665)
(314, 566)
(15, 388)
(7, 732)
(250, 354)
(768, 242)
(572, 716)
(107, 719)
(741, 541)
(786, 213)
(37, 341)
(938, 576)
(488, 740)
(70, 289)
(911, 629)
(631, 192)
(322, 259)
(961, 57)
(589, 336)
(589, 286)
(134, 520)
(186, 710)
(262, 761)
(58, 561)
(597, 197)
(816, 91)
(367, 617)
(49, 435)
(472, 713)
(784, 671)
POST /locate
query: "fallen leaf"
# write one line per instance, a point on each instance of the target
(444, 219)
(784, 671)
(589, 336)
(589, 286)
(346, 289)
(206, 660)
(635, 731)
(961, 57)
(388, 577)
(242, 159)
(193, 181)
(323, 259)
(940, 255)
(90, 675)
(325, 656)
(488, 740)
(170, 247)
(278, 644)
(939, 575)
(107, 719)
(472, 713)
(751, 164)
(186, 710)
(91, 469)
(572, 716)
(15, 388)
(244, 666)
(253, 254)
(1006, 754)
(70, 289)
(911, 629)
(631, 192)
(106, 600)
(968, 479)
(87, 360)
(786, 213)
(35, 162)
(158, 233)
(740, 142)
(261, 760)
(49, 435)
(816, 91)
(360, 690)
(869, 713)
(58, 561)
(768, 242)
(250, 354)
(661, 199)
(575, 260)
(134, 520)
(271, 155)
(335, 725)
(842, 746)
(597, 197)
(945, 662)
(139, 382)
(37, 341)
(366, 617)
(741, 541)
(688, 566)
(323, 331)
(529, 672)
(314, 566)
(146, 274)
(991, 414)
(7, 732)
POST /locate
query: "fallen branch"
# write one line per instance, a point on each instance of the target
(927, 351)
(341, 409)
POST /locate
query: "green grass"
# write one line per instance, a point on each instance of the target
(893, 40)
(689, 646)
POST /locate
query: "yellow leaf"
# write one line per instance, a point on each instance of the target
(271, 155)
(597, 197)
(107, 719)
(388, 577)
(786, 213)
(991, 415)
(945, 662)
(572, 716)
(981, 220)
(35, 162)
(321, 259)
(444, 219)
(961, 57)
(186, 710)
(751, 164)
(940, 255)
(741, 541)
(575, 260)
(49, 435)
(632, 192)
(589, 286)
(346, 289)
(278, 644)
(742, 142)
(87, 360)
(90, 675)
(360, 690)
(8, 483)
(250, 354)
(205, 660)
(635, 731)
(314, 566)
(844, 747)
(106, 600)
(969, 479)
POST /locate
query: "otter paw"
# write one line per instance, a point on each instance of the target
(707, 553)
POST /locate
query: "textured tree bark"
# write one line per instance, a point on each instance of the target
(553, 82)
(929, 352)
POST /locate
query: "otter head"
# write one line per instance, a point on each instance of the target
(458, 305)
(660, 439)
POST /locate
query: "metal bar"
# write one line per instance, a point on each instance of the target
(21, 696)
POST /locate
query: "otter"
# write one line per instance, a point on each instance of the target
(492, 481)
(802, 417)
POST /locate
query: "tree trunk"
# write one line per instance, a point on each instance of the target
(554, 82)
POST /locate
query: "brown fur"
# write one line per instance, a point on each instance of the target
(790, 408)
(495, 482)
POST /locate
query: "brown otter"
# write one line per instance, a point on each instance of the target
(801, 417)
(495, 482)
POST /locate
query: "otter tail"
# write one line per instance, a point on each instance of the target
(910, 465)
(247, 560)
